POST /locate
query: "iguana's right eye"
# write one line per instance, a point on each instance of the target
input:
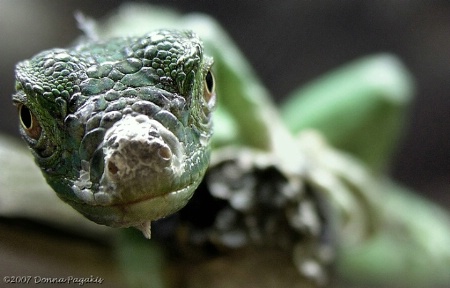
(209, 93)
(29, 122)
(209, 85)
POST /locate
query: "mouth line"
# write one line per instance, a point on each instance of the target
(149, 198)
(136, 212)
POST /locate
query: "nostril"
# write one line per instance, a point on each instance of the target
(165, 153)
(112, 168)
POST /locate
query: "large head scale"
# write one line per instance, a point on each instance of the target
(120, 128)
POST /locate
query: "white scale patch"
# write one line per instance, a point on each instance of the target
(132, 146)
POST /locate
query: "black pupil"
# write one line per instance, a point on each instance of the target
(25, 117)
(209, 81)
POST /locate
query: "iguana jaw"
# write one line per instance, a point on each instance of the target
(138, 214)
(147, 174)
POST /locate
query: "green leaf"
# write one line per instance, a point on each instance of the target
(411, 249)
(142, 261)
(360, 108)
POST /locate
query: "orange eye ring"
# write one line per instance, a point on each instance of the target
(29, 122)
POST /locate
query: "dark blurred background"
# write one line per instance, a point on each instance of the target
(289, 42)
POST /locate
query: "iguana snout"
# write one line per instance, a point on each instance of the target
(141, 147)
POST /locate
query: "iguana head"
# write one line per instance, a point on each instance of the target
(120, 128)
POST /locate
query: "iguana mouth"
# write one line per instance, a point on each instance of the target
(141, 212)
(144, 175)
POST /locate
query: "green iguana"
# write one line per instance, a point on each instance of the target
(120, 125)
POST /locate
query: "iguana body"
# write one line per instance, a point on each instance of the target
(274, 188)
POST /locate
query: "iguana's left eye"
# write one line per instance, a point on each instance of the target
(209, 86)
(29, 122)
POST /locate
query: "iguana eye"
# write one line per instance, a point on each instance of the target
(209, 86)
(29, 122)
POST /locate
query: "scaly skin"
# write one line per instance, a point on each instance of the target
(121, 128)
